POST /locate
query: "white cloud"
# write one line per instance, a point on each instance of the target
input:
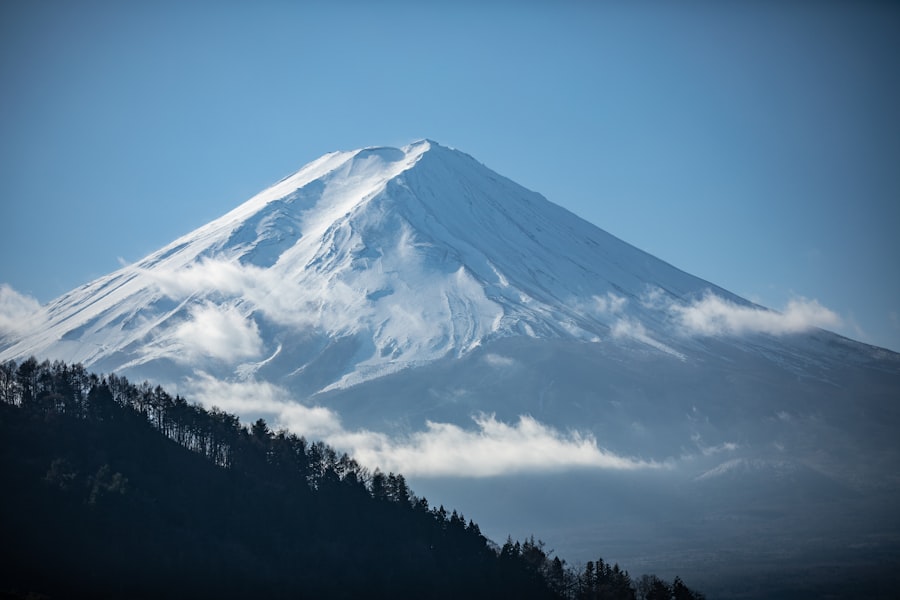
(224, 276)
(499, 361)
(492, 448)
(256, 398)
(19, 313)
(319, 301)
(442, 449)
(634, 329)
(712, 315)
(298, 300)
(218, 332)
(610, 303)
(711, 450)
(314, 302)
(598, 306)
(654, 298)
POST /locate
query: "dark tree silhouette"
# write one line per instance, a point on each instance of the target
(120, 490)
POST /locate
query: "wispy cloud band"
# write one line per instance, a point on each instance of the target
(491, 448)
(713, 315)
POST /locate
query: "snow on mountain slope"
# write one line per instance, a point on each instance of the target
(379, 259)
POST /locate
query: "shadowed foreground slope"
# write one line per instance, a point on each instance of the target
(119, 490)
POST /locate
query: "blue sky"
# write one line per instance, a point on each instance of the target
(756, 145)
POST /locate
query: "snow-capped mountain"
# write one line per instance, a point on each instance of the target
(385, 298)
(420, 269)
(389, 257)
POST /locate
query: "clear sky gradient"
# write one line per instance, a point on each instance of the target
(756, 145)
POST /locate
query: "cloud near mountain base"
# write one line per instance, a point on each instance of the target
(489, 449)
(254, 399)
(492, 448)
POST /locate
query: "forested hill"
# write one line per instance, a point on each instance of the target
(118, 490)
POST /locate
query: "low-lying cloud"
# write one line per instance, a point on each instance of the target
(490, 448)
(253, 399)
(19, 313)
(713, 315)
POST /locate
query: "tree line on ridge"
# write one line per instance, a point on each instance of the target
(117, 489)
